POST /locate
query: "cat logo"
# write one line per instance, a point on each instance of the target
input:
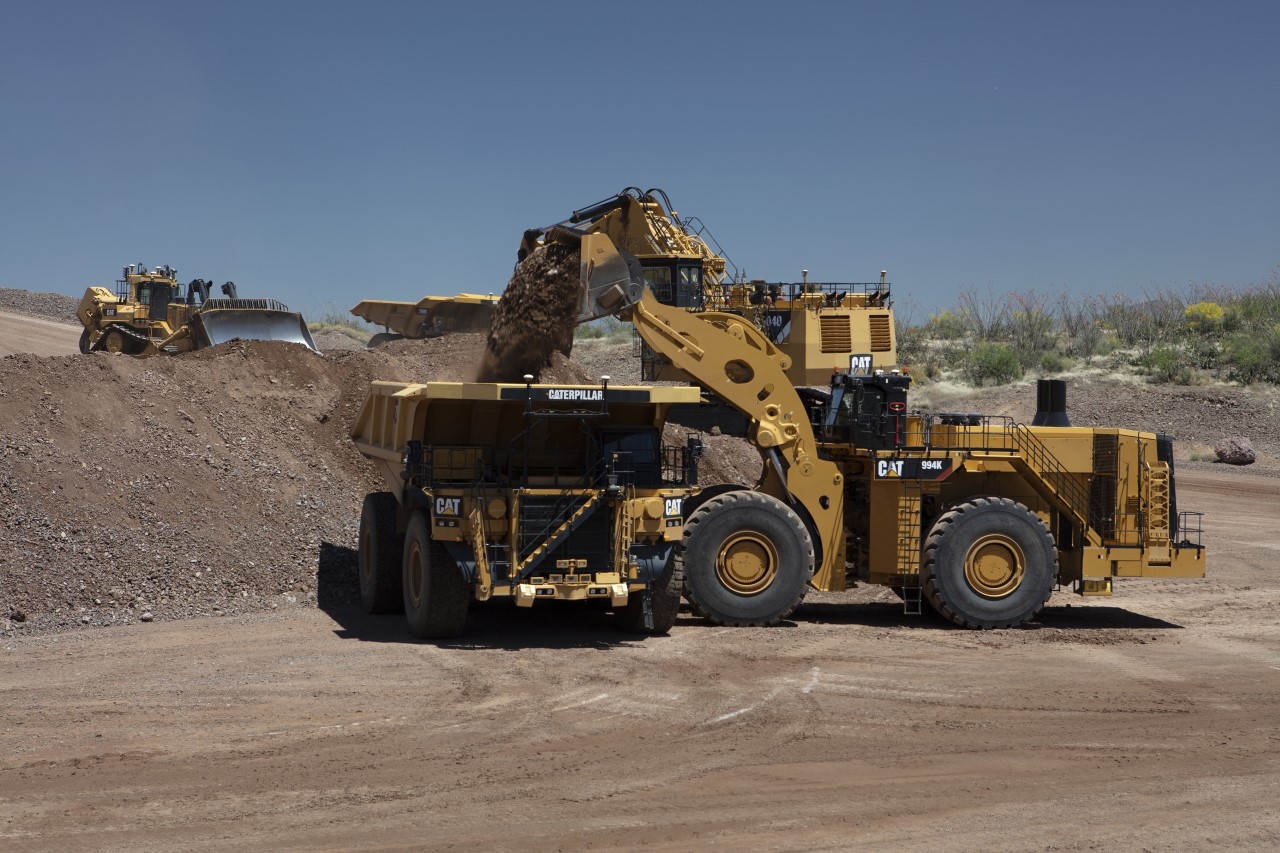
(888, 468)
(860, 364)
(674, 506)
(448, 506)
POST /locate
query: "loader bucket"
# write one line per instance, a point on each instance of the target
(271, 322)
(612, 280)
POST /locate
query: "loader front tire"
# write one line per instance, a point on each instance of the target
(988, 563)
(748, 559)
(380, 555)
(436, 594)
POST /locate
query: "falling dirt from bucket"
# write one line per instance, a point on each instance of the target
(535, 317)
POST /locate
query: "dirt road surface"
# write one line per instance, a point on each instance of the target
(23, 333)
(1144, 721)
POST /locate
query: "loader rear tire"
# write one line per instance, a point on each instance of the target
(989, 563)
(381, 555)
(436, 594)
(748, 559)
(84, 342)
(665, 598)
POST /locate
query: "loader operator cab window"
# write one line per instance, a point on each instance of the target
(659, 281)
(678, 284)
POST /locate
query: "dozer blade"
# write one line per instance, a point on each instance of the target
(612, 280)
(218, 325)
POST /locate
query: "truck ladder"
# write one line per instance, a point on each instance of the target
(909, 547)
(1154, 484)
(549, 538)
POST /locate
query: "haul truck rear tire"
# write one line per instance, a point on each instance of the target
(989, 563)
(747, 559)
(436, 594)
(380, 555)
(665, 595)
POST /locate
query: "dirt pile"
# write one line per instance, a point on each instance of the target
(52, 306)
(218, 481)
(535, 317)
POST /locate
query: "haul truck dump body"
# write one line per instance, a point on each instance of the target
(429, 317)
(524, 492)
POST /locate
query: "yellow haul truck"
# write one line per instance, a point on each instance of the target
(148, 313)
(976, 515)
(429, 317)
(522, 492)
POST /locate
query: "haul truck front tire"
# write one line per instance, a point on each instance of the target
(747, 559)
(380, 555)
(436, 594)
(988, 563)
(665, 600)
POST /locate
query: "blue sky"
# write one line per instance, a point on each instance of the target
(325, 152)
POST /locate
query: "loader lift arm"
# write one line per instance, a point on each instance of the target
(728, 356)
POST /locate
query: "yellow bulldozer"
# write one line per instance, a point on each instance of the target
(976, 517)
(149, 312)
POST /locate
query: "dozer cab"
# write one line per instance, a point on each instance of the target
(977, 517)
(429, 317)
(522, 493)
(150, 313)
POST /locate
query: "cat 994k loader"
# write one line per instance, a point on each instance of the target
(977, 516)
(149, 313)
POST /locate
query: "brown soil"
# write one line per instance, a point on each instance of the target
(535, 317)
(223, 482)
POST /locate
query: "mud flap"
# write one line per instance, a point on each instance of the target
(219, 325)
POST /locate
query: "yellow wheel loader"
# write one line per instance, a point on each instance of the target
(978, 517)
(150, 313)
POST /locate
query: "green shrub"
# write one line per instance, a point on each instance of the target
(991, 364)
(1166, 366)
(1052, 362)
(946, 325)
(1253, 357)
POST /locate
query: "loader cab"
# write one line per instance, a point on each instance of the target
(867, 412)
(675, 281)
